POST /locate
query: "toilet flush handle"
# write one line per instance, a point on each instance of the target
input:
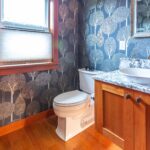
(93, 96)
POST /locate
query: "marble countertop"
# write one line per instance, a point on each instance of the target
(116, 78)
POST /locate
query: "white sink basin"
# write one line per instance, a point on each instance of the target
(137, 75)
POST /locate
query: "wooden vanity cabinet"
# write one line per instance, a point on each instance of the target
(122, 115)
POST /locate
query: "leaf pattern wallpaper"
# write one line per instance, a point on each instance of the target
(102, 25)
(23, 95)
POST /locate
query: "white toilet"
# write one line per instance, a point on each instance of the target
(75, 109)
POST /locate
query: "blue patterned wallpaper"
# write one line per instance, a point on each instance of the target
(103, 24)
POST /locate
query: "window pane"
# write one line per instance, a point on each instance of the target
(24, 46)
(26, 12)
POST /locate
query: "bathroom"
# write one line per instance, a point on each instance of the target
(91, 34)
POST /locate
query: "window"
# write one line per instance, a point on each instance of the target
(29, 34)
(25, 14)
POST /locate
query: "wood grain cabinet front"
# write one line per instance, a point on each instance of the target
(122, 115)
(141, 129)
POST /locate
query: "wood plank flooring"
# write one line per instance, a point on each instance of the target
(42, 136)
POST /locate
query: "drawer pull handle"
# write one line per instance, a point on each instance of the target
(127, 96)
(138, 100)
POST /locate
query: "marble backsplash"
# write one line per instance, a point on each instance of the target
(134, 63)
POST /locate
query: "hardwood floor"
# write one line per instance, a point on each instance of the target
(42, 136)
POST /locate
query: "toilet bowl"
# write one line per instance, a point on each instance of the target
(75, 109)
(71, 104)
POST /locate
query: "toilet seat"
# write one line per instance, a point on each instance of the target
(72, 98)
(71, 104)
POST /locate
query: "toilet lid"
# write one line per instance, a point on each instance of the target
(70, 98)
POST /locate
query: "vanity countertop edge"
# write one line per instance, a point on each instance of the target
(116, 78)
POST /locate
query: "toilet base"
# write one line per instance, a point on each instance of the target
(71, 126)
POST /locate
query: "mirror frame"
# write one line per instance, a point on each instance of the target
(133, 22)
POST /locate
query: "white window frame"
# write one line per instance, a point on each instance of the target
(17, 26)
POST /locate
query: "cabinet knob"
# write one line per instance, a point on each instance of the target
(138, 100)
(127, 96)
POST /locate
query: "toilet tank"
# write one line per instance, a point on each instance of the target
(86, 80)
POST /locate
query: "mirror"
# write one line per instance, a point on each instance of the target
(140, 18)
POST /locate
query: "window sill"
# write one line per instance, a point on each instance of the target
(6, 70)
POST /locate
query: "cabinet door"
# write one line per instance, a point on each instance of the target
(142, 121)
(114, 114)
